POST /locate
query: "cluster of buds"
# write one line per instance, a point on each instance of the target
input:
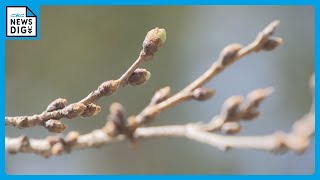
(235, 109)
(116, 121)
(59, 144)
(58, 109)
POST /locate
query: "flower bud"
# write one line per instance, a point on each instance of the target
(139, 76)
(74, 110)
(231, 106)
(228, 53)
(270, 29)
(116, 109)
(255, 97)
(231, 127)
(91, 110)
(57, 148)
(116, 123)
(54, 126)
(72, 137)
(202, 94)
(21, 142)
(250, 115)
(56, 104)
(107, 88)
(160, 96)
(272, 43)
(153, 40)
(111, 129)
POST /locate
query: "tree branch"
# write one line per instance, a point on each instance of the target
(58, 109)
(297, 140)
(119, 128)
(229, 55)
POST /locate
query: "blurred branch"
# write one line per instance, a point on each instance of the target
(229, 55)
(86, 107)
(297, 140)
(119, 127)
(54, 145)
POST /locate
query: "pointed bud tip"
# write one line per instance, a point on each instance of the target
(269, 30)
(268, 91)
(115, 107)
(276, 22)
(162, 35)
(260, 93)
(148, 75)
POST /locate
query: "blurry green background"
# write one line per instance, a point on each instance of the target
(81, 47)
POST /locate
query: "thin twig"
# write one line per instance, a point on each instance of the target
(229, 55)
(154, 39)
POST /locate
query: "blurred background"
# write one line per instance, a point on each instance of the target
(81, 47)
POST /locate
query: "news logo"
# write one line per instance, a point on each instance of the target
(21, 22)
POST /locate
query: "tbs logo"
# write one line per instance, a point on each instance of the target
(17, 15)
(21, 22)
